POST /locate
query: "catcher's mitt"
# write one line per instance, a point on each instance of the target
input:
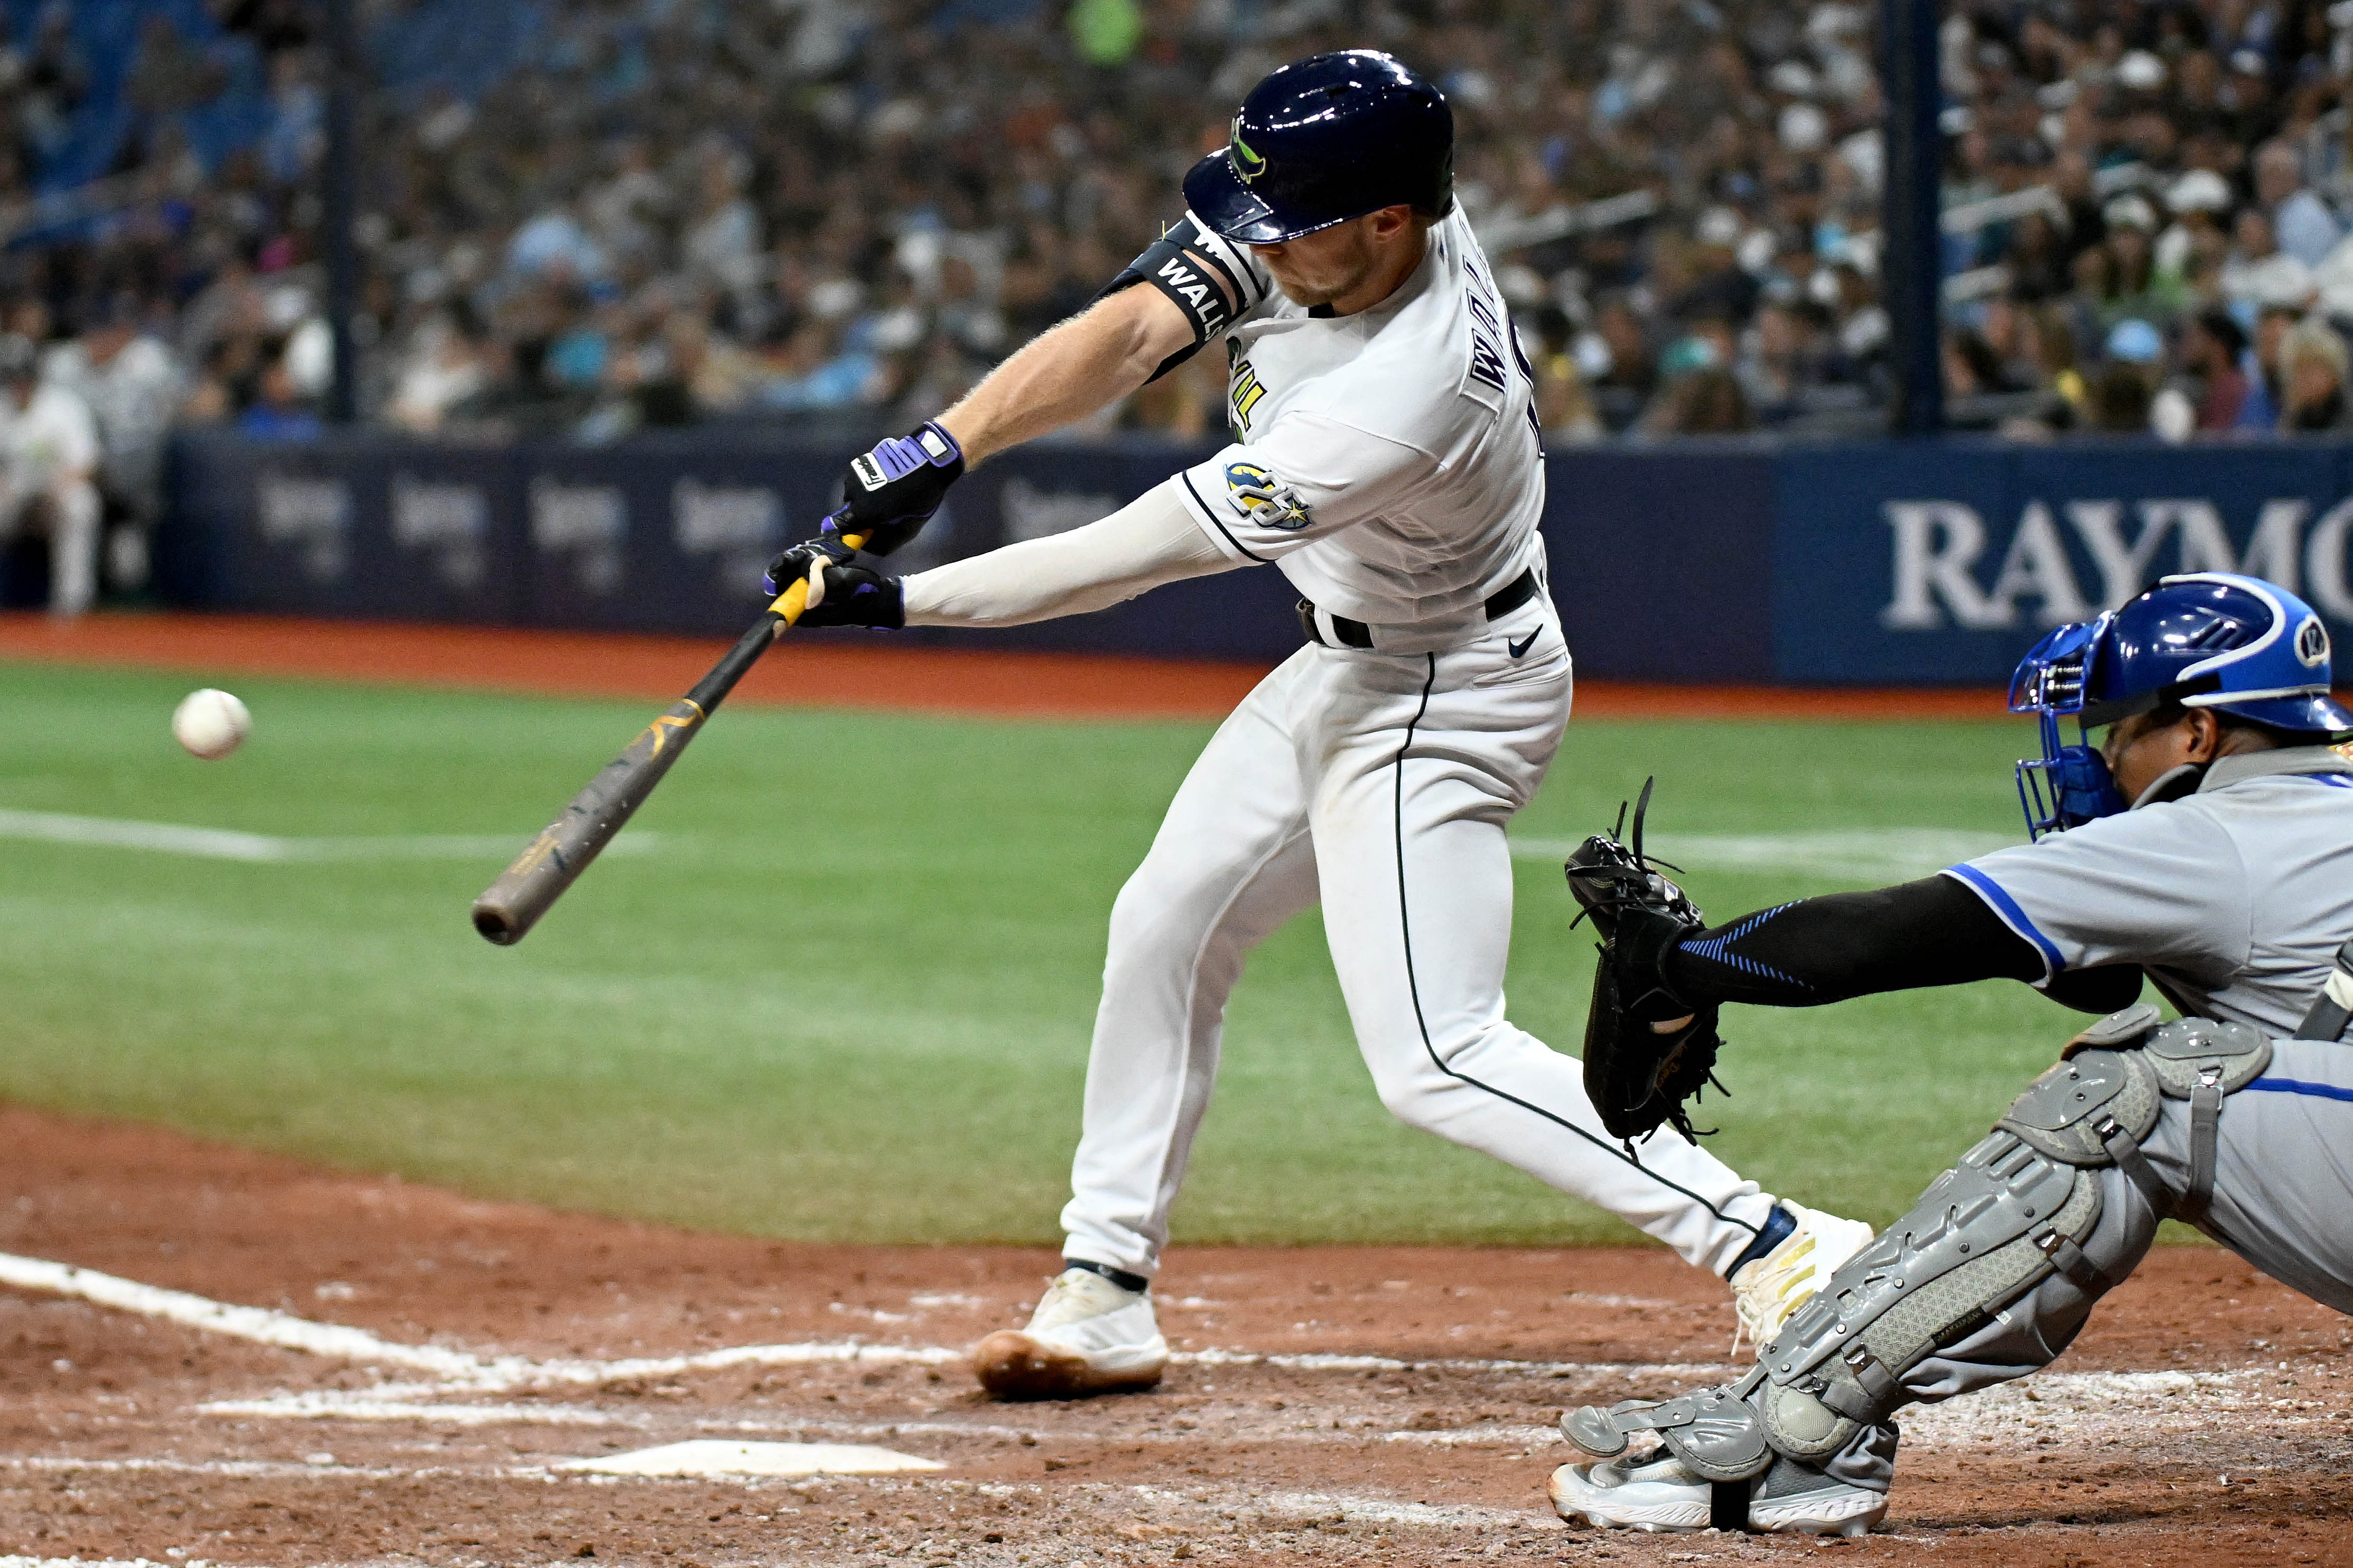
(1647, 1050)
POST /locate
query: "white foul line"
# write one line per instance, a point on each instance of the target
(1864, 852)
(266, 848)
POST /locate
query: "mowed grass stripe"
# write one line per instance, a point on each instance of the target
(847, 995)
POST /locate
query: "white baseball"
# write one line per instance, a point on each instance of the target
(210, 723)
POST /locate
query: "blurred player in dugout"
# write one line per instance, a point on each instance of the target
(49, 459)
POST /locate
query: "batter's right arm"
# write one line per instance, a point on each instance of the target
(1071, 370)
(1150, 540)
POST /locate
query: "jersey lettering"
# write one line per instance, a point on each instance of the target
(1486, 334)
(1486, 361)
(1535, 423)
(1201, 300)
(1244, 393)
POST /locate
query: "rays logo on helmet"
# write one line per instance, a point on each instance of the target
(1265, 499)
(1248, 165)
(2312, 643)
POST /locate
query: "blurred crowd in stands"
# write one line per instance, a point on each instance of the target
(580, 218)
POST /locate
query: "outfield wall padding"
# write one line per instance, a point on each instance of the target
(1875, 564)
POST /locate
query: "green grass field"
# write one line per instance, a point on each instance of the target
(846, 993)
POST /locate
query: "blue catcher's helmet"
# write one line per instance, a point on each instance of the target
(2236, 645)
(1322, 141)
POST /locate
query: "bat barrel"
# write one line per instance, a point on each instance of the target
(527, 889)
(510, 907)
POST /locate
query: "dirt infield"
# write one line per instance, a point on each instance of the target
(915, 679)
(1343, 1406)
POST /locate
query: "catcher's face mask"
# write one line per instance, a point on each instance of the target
(2068, 786)
(2237, 646)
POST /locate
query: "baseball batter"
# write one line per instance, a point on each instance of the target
(1387, 459)
(2228, 882)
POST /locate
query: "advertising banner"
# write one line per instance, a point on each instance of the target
(1901, 563)
(670, 539)
(398, 531)
(1868, 563)
(1661, 561)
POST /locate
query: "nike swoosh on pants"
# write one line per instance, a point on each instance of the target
(1525, 643)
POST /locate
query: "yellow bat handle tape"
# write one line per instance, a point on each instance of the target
(795, 599)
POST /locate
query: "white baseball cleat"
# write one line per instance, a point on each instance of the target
(1660, 1494)
(1767, 1293)
(1087, 1336)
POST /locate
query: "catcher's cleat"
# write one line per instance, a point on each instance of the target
(1658, 1493)
(1764, 1293)
(1087, 1336)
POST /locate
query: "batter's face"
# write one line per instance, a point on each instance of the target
(1350, 266)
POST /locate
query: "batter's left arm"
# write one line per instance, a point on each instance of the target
(1069, 372)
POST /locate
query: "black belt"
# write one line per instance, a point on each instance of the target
(1356, 634)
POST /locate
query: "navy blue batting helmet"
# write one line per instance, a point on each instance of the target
(2237, 645)
(1322, 141)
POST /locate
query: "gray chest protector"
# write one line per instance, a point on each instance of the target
(2013, 1212)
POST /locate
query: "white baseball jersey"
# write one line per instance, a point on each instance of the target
(52, 437)
(1388, 461)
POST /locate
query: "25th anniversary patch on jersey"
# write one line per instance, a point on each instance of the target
(1265, 499)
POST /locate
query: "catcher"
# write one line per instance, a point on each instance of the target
(2227, 881)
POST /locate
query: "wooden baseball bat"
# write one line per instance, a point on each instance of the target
(565, 848)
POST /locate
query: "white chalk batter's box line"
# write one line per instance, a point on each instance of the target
(334, 1406)
(462, 1371)
(2073, 1402)
(1344, 1507)
(1200, 1505)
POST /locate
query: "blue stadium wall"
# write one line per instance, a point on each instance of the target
(1839, 565)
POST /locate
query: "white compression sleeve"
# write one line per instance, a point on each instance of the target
(1150, 540)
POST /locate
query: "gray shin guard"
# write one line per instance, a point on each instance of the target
(2013, 1212)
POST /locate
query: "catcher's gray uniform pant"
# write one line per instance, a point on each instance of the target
(2282, 1200)
(1380, 784)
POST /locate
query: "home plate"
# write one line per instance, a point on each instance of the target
(716, 1456)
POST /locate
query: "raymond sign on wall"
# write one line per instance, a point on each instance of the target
(1737, 559)
(1901, 564)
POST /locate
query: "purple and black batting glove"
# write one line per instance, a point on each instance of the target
(892, 491)
(844, 593)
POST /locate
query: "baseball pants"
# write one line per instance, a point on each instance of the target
(69, 513)
(2282, 1200)
(1378, 783)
